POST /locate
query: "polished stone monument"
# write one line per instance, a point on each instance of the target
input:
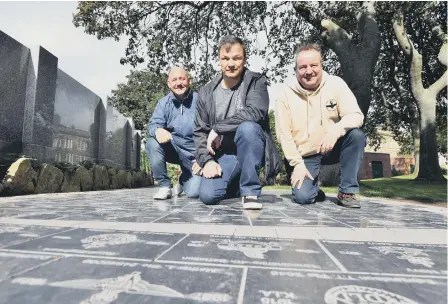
(117, 125)
(16, 73)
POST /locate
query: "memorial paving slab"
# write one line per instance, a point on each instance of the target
(121, 246)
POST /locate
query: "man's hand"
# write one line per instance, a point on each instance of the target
(163, 136)
(197, 170)
(328, 141)
(213, 142)
(299, 174)
(211, 169)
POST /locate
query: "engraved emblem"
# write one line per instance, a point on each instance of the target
(353, 294)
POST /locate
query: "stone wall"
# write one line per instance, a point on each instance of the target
(27, 176)
(49, 116)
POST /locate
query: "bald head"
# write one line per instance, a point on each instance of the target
(179, 82)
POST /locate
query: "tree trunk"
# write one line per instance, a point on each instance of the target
(429, 168)
(415, 129)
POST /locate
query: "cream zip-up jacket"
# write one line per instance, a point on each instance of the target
(303, 117)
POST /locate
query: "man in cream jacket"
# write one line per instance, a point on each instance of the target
(318, 120)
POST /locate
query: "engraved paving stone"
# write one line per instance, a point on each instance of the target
(251, 251)
(137, 245)
(287, 286)
(132, 249)
(390, 257)
(82, 280)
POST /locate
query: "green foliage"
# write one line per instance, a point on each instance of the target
(138, 97)
(282, 178)
(144, 162)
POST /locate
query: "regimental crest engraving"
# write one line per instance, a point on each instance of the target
(251, 249)
(412, 255)
(104, 240)
(353, 294)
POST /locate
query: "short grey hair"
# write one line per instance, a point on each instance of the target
(306, 47)
(230, 40)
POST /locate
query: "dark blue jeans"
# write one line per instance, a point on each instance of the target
(348, 151)
(160, 154)
(240, 171)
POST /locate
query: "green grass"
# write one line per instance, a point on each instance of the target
(400, 187)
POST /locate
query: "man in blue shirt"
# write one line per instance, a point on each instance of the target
(171, 137)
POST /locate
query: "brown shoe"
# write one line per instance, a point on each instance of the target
(349, 200)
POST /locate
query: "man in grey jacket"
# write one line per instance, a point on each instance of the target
(232, 136)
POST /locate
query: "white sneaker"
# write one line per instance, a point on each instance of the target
(163, 193)
(251, 203)
(178, 189)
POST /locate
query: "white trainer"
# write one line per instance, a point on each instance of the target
(178, 189)
(163, 193)
(251, 203)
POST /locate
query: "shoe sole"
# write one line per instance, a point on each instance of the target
(161, 199)
(252, 206)
(349, 206)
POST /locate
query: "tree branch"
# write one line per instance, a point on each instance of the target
(308, 12)
(408, 48)
(369, 30)
(388, 104)
(441, 83)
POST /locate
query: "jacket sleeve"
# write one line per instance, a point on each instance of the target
(283, 129)
(157, 119)
(256, 109)
(201, 131)
(349, 111)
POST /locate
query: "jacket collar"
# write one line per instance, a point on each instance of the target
(217, 80)
(186, 100)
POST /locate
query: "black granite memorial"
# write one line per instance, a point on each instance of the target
(116, 152)
(76, 121)
(16, 74)
(47, 115)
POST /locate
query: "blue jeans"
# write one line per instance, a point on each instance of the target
(349, 151)
(240, 171)
(160, 154)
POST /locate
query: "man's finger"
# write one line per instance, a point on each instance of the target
(300, 183)
(219, 169)
(294, 182)
(209, 148)
(309, 175)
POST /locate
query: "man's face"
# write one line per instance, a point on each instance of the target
(178, 81)
(309, 69)
(231, 59)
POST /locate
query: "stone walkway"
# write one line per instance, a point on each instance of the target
(122, 247)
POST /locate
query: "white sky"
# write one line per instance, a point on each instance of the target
(94, 63)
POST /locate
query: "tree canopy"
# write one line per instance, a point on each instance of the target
(138, 97)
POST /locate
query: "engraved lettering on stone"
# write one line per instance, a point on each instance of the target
(104, 240)
(29, 235)
(306, 251)
(353, 294)
(109, 289)
(295, 221)
(24, 256)
(207, 219)
(10, 229)
(107, 253)
(386, 223)
(251, 249)
(60, 237)
(413, 255)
